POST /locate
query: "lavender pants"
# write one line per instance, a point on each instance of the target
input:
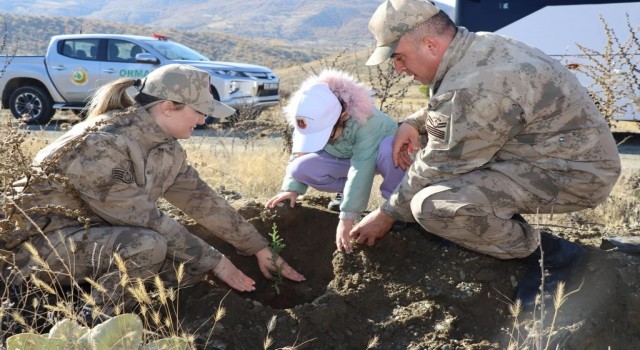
(327, 173)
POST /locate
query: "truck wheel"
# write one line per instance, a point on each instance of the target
(31, 104)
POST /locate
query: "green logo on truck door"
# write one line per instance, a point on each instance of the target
(133, 73)
(79, 76)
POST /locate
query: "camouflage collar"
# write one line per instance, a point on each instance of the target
(137, 124)
(144, 129)
(457, 49)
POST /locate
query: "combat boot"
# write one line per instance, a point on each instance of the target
(561, 260)
(334, 205)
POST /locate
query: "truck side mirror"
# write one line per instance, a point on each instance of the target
(146, 57)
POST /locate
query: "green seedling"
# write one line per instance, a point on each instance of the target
(276, 246)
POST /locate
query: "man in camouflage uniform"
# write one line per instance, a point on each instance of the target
(110, 171)
(510, 131)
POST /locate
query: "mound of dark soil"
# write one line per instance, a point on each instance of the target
(410, 291)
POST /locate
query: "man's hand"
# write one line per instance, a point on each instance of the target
(282, 196)
(405, 143)
(266, 265)
(373, 226)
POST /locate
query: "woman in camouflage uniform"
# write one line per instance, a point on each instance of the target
(110, 170)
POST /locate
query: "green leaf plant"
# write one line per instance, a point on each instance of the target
(276, 246)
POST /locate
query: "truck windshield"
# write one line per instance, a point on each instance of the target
(174, 51)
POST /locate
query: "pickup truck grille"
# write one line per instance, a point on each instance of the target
(267, 92)
(260, 75)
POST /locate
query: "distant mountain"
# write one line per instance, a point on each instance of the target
(326, 24)
(29, 35)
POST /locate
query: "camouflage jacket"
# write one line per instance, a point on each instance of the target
(502, 105)
(113, 169)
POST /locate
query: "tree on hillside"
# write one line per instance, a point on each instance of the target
(3, 49)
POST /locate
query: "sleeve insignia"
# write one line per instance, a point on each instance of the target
(437, 126)
(122, 175)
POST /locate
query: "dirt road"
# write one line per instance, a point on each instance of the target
(629, 147)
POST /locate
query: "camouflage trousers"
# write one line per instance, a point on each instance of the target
(475, 211)
(76, 253)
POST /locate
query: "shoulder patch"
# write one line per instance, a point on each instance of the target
(437, 126)
(122, 175)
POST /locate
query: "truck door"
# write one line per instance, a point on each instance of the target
(120, 61)
(74, 68)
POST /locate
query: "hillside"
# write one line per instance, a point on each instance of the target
(29, 35)
(328, 24)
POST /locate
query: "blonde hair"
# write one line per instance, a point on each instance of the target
(110, 97)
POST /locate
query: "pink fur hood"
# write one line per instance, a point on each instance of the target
(357, 96)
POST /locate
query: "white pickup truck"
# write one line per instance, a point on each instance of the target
(34, 87)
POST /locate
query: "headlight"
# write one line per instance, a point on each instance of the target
(233, 73)
(234, 86)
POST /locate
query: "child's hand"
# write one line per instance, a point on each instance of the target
(282, 196)
(343, 240)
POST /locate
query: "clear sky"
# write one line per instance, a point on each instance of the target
(451, 3)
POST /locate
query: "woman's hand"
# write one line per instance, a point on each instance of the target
(231, 275)
(282, 196)
(343, 240)
(267, 265)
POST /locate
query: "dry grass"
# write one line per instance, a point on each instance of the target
(620, 210)
(254, 169)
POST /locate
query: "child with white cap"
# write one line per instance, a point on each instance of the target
(341, 140)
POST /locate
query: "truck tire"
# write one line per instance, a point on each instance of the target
(31, 104)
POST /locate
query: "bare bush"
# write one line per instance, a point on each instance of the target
(613, 73)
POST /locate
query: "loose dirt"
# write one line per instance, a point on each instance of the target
(411, 290)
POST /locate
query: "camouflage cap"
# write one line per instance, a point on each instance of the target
(392, 20)
(185, 84)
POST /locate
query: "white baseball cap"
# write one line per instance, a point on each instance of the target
(316, 113)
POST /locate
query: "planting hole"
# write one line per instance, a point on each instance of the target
(308, 234)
